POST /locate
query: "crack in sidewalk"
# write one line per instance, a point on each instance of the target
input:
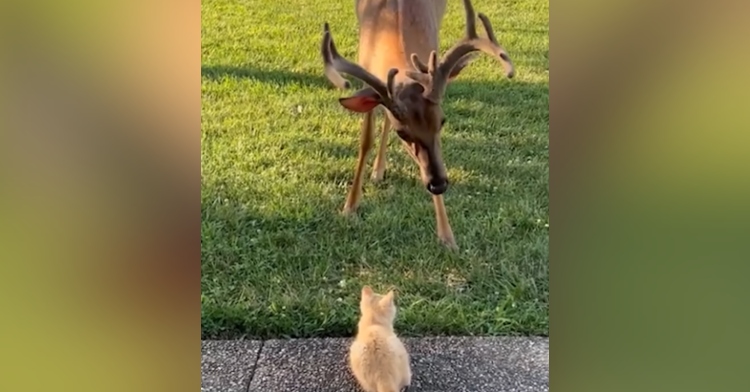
(255, 366)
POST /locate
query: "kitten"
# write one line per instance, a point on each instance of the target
(377, 357)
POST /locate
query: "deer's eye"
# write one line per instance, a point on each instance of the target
(442, 122)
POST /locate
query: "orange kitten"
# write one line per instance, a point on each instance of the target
(377, 357)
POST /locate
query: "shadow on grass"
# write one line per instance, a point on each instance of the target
(269, 76)
(275, 274)
(279, 274)
(519, 102)
(326, 151)
(251, 261)
(490, 121)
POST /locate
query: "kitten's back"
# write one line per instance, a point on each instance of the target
(378, 359)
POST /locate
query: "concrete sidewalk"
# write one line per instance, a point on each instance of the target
(445, 364)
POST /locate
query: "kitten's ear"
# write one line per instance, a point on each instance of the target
(388, 298)
(366, 291)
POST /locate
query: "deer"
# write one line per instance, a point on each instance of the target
(395, 39)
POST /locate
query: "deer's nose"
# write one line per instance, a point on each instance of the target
(437, 186)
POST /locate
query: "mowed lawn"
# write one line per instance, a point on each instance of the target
(278, 154)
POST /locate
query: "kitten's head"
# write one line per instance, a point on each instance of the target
(380, 308)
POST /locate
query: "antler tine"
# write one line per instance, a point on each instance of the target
(425, 72)
(422, 75)
(391, 77)
(422, 67)
(328, 50)
(335, 64)
(488, 28)
(418, 64)
(470, 43)
(471, 18)
(432, 67)
(499, 50)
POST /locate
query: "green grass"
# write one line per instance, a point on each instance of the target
(278, 153)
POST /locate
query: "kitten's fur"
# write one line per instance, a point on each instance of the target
(377, 357)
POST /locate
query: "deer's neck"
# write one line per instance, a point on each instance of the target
(419, 26)
(391, 30)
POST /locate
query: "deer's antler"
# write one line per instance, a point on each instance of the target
(335, 64)
(459, 56)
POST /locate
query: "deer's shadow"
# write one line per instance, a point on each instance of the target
(266, 76)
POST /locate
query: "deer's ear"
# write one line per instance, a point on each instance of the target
(362, 101)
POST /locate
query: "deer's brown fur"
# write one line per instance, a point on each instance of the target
(396, 37)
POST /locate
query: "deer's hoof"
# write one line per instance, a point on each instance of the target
(377, 176)
(349, 210)
(449, 242)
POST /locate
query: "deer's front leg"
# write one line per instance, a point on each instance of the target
(379, 166)
(365, 144)
(444, 231)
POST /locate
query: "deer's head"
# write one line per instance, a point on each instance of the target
(414, 108)
(416, 119)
